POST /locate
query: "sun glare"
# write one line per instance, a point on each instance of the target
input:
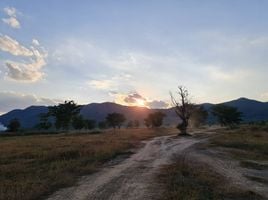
(140, 102)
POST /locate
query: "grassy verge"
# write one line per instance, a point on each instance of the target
(32, 167)
(244, 144)
(192, 181)
(189, 180)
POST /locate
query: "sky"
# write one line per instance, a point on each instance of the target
(131, 52)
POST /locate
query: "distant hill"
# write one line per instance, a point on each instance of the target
(252, 111)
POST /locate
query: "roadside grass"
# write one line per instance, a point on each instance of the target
(244, 143)
(187, 180)
(31, 167)
(190, 180)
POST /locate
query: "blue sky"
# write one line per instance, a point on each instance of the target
(131, 52)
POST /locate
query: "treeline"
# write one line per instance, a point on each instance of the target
(66, 116)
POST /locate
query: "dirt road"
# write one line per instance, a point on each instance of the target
(131, 179)
(134, 177)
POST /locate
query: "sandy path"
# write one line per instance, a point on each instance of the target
(131, 179)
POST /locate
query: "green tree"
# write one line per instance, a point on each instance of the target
(147, 122)
(64, 113)
(13, 125)
(183, 108)
(44, 123)
(136, 123)
(130, 124)
(78, 122)
(155, 119)
(115, 120)
(227, 115)
(90, 124)
(102, 125)
(199, 116)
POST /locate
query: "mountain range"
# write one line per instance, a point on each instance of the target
(252, 110)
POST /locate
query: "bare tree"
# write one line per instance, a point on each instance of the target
(183, 108)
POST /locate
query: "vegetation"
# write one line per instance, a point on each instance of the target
(64, 113)
(34, 166)
(78, 122)
(44, 123)
(244, 143)
(188, 180)
(13, 125)
(136, 123)
(227, 115)
(115, 120)
(154, 120)
(102, 125)
(89, 124)
(130, 124)
(199, 117)
(183, 108)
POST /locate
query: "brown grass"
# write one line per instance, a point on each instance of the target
(32, 167)
(187, 180)
(190, 180)
(244, 143)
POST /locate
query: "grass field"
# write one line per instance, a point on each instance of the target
(188, 181)
(245, 143)
(32, 167)
(196, 181)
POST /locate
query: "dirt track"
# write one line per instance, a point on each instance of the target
(134, 177)
(131, 179)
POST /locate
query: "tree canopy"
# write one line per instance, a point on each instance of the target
(13, 125)
(115, 120)
(227, 115)
(154, 119)
(64, 113)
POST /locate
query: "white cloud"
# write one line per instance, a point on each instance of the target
(264, 96)
(157, 104)
(12, 20)
(110, 84)
(35, 42)
(10, 11)
(102, 84)
(11, 100)
(21, 71)
(13, 47)
(236, 75)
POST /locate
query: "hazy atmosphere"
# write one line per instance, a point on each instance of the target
(131, 52)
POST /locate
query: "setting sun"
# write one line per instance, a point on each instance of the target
(140, 102)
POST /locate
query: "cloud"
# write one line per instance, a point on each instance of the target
(10, 11)
(35, 42)
(136, 99)
(13, 47)
(110, 84)
(21, 71)
(102, 84)
(12, 20)
(11, 100)
(157, 104)
(264, 96)
(2, 127)
(133, 98)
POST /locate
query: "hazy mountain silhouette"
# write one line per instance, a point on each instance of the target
(252, 111)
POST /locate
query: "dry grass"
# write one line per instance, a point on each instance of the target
(244, 143)
(32, 167)
(187, 180)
